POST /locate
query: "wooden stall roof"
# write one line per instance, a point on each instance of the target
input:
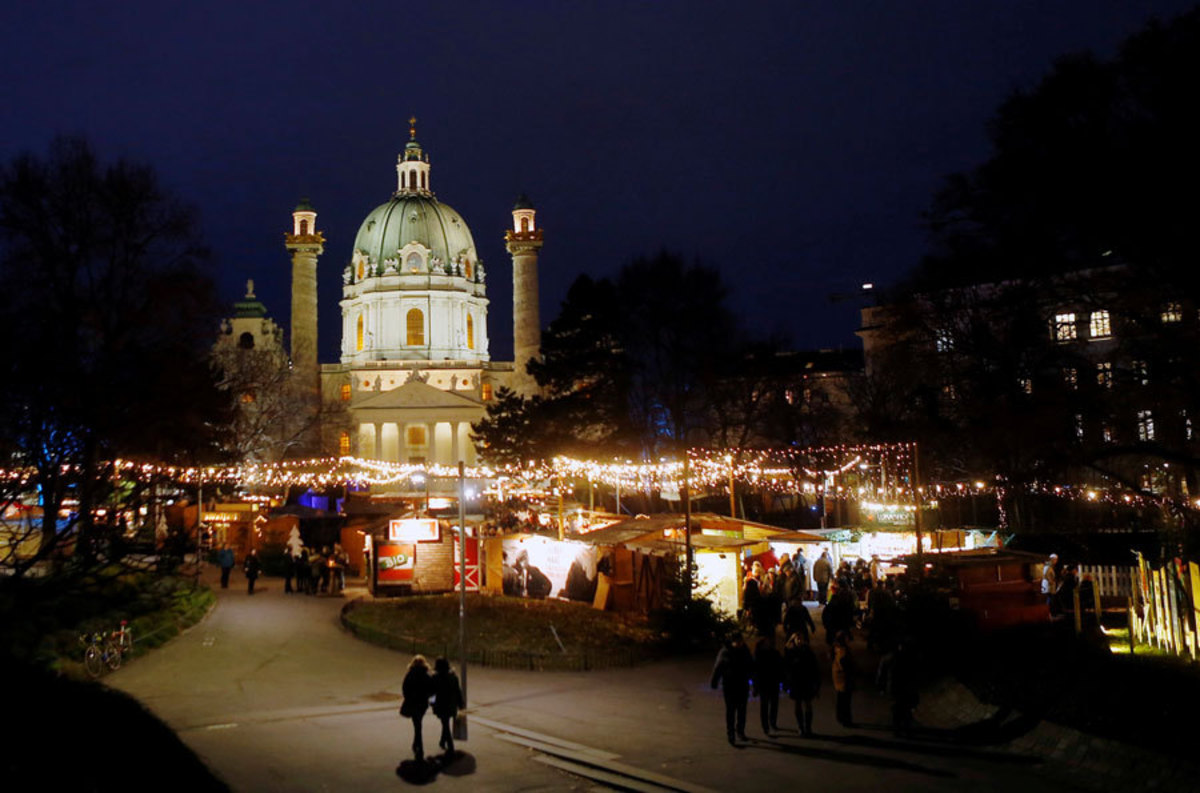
(649, 532)
(976, 556)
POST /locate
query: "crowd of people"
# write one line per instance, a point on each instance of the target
(1060, 583)
(312, 572)
(773, 650)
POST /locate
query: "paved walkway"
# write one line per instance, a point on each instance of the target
(275, 696)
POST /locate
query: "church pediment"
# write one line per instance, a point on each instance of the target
(416, 394)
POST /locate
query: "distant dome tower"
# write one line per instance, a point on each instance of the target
(523, 242)
(305, 244)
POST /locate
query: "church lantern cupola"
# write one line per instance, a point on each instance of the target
(412, 166)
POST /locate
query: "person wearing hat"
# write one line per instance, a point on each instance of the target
(1049, 579)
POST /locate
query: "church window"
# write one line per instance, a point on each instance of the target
(360, 271)
(487, 392)
(422, 180)
(467, 268)
(358, 334)
(414, 262)
(344, 392)
(416, 328)
(524, 225)
(1063, 328)
(403, 180)
(416, 435)
(1100, 325)
(344, 444)
(412, 177)
(246, 341)
(470, 332)
(304, 227)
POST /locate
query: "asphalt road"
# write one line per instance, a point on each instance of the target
(274, 696)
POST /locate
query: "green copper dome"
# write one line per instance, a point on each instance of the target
(414, 218)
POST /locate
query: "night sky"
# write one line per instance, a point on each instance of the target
(791, 144)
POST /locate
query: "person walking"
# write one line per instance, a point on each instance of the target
(225, 560)
(843, 678)
(1049, 580)
(251, 568)
(289, 572)
(801, 566)
(733, 669)
(804, 679)
(447, 699)
(303, 572)
(768, 674)
(416, 690)
(341, 561)
(822, 575)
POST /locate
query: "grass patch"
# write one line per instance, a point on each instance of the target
(507, 632)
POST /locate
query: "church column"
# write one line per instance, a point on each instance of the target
(454, 452)
(305, 244)
(378, 427)
(431, 439)
(523, 241)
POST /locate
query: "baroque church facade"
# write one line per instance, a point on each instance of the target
(414, 371)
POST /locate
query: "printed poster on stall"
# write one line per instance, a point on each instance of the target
(395, 563)
(472, 564)
(538, 567)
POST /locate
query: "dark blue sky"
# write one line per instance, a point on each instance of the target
(791, 144)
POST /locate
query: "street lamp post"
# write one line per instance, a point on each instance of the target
(462, 577)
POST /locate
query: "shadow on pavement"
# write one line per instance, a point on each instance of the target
(422, 772)
(842, 756)
(932, 742)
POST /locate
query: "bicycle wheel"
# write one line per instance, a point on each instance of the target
(112, 655)
(93, 661)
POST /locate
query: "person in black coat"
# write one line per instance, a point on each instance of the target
(804, 679)
(733, 670)
(251, 569)
(416, 688)
(768, 674)
(447, 699)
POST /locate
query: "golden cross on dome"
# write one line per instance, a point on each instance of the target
(412, 128)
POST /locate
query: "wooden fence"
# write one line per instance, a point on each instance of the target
(1111, 581)
(1164, 607)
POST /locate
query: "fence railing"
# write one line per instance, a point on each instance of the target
(1111, 581)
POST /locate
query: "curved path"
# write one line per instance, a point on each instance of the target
(274, 695)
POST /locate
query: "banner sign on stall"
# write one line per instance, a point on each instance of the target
(472, 563)
(413, 530)
(537, 567)
(395, 563)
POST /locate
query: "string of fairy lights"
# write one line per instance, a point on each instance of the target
(869, 473)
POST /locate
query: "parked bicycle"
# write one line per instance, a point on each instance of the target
(123, 637)
(99, 652)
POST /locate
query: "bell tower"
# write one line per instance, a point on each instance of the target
(305, 244)
(523, 242)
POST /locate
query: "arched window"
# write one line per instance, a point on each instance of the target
(402, 180)
(416, 328)
(470, 332)
(422, 180)
(524, 225)
(304, 227)
(246, 341)
(467, 268)
(412, 180)
(414, 262)
(358, 334)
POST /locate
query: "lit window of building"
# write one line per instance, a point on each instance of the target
(344, 392)
(486, 392)
(1064, 326)
(415, 327)
(1078, 427)
(1100, 326)
(1106, 432)
(1188, 432)
(949, 393)
(1026, 385)
(344, 444)
(1145, 424)
(1071, 377)
(944, 341)
(1172, 312)
(1141, 372)
(1104, 374)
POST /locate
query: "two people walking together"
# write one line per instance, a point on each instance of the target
(419, 689)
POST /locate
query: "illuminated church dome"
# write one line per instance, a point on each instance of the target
(414, 286)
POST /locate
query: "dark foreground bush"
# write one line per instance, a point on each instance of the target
(73, 735)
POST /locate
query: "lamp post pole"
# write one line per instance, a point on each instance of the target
(462, 577)
(687, 521)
